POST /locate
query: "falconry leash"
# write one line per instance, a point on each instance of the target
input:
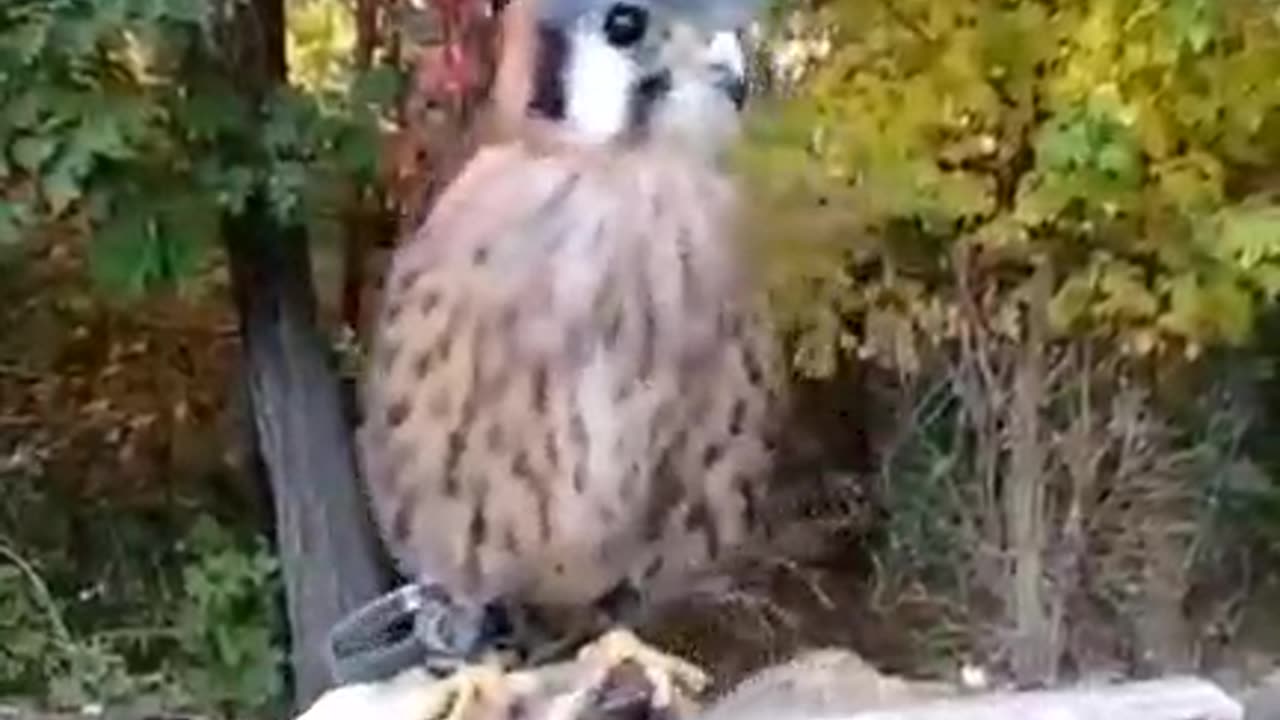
(415, 625)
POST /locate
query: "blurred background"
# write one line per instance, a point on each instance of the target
(1022, 255)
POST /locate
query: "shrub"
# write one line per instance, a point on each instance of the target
(1050, 212)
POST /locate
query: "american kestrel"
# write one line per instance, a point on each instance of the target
(569, 398)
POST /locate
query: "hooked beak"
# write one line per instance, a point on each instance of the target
(727, 62)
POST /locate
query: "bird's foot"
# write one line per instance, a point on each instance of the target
(480, 691)
(676, 681)
(473, 691)
(529, 640)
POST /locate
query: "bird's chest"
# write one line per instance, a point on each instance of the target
(563, 395)
(616, 365)
(627, 376)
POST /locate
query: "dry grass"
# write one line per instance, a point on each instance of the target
(1054, 519)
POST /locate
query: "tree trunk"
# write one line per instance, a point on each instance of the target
(329, 551)
(1036, 648)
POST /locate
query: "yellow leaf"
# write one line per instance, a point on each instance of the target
(1125, 293)
(1193, 181)
(1071, 302)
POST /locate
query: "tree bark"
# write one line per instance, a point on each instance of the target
(331, 558)
(329, 551)
(1036, 647)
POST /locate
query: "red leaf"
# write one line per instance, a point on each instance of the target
(446, 72)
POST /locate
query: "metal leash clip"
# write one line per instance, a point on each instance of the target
(378, 640)
(415, 625)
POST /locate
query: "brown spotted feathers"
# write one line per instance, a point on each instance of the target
(566, 387)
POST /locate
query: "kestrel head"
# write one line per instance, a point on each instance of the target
(626, 72)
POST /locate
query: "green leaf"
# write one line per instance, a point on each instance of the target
(189, 228)
(357, 150)
(1120, 160)
(285, 187)
(61, 187)
(1071, 302)
(1195, 23)
(1216, 309)
(1125, 293)
(238, 184)
(195, 12)
(211, 110)
(154, 239)
(1193, 182)
(101, 135)
(23, 42)
(31, 152)
(1249, 234)
(77, 37)
(228, 186)
(22, 112)
(290, 123)
(121, 253)
(1063, 145)
(14, 218)
(378, 86)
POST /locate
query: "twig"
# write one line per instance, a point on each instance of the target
(41, 591)
(18, 372)
(141, 634)
(902, 19)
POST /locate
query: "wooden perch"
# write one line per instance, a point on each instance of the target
(821, 684)
(1179, 698)
(781, 696)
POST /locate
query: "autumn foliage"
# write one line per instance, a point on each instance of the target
(1049, 229)
(1039, 219)
(1126, 146)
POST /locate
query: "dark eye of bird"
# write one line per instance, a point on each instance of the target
(625, 24)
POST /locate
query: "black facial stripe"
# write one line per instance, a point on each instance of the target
(547, 96)
(646, 94)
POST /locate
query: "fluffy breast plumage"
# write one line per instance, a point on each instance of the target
(566, 388)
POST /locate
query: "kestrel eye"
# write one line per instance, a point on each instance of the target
(625, 24)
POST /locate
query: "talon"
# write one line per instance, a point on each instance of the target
(668, 673)
(466, 692)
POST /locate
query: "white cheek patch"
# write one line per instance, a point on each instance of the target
(696, 116)
(725, 50)
(696, 113)
(597, 84)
